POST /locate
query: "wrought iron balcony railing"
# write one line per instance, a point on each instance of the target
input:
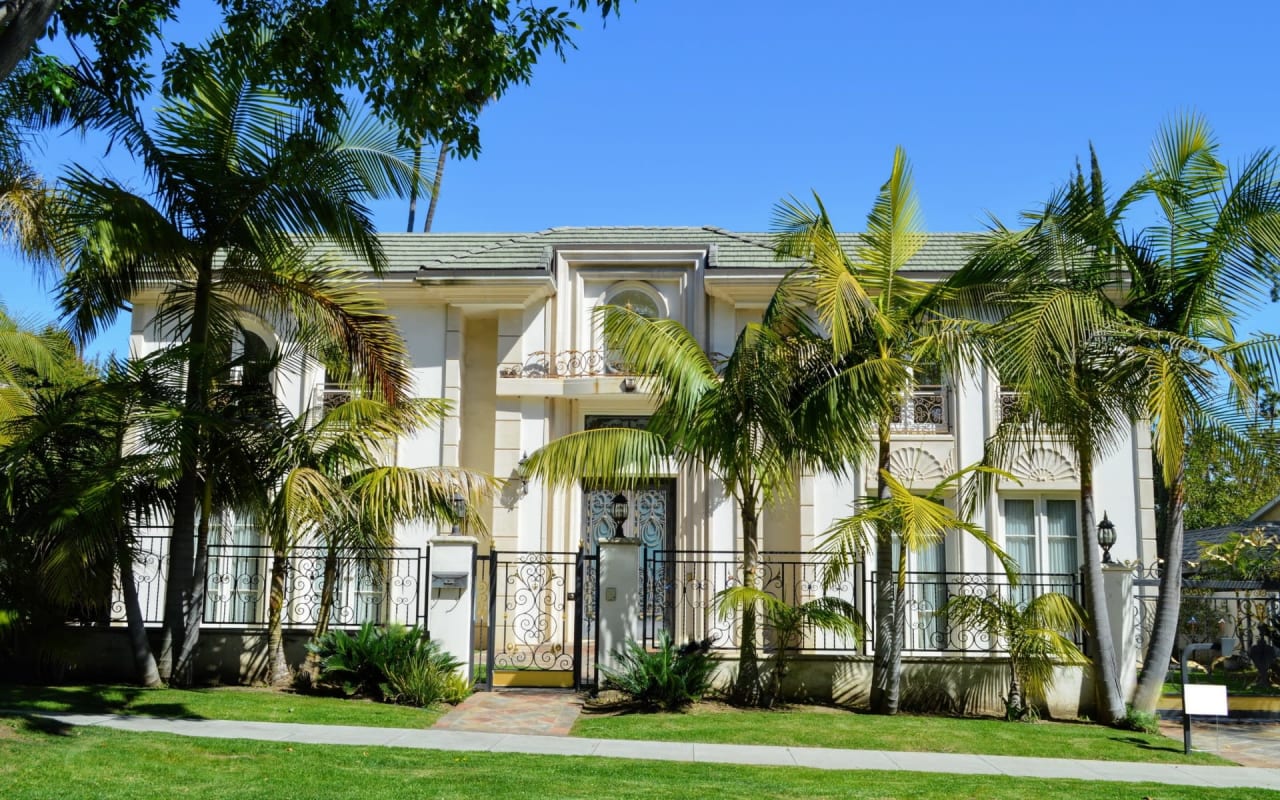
(577, 364)
(924, 411)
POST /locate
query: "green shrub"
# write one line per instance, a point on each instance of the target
(669, 678)
(425, 678)
(1142, 721)
(382, 663)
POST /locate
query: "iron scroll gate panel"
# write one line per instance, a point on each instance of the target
(542, 614)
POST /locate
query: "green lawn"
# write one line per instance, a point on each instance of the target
(229, 702)
(41, 760)
(1242, 683)
(845, 729)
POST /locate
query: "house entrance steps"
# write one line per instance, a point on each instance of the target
(540, 712)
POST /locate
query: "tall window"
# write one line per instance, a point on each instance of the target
(1042, 534)
(640, 299)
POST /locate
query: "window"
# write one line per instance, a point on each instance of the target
(636, 297)
(1042, 535)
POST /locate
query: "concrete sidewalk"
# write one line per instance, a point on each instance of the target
(813, 757)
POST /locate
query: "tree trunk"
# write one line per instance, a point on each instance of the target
(746, 689)
(435, 189)
(1164, 629)
(277, 665)
(182, 544)
(184, 666)
(1015, 708)
(886, 669)
(22, 23)
(311, 668)
(1106, 665)
(413, 187)
(144, 660)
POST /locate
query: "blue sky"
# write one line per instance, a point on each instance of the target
(707, 112)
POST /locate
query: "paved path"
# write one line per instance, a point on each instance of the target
(549, 712)
(1253, 743)
(818, 758)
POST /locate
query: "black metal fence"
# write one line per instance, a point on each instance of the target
(679, 596)
(1248, 611)
(378, 586)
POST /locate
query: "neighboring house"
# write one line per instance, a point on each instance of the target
(1266, 519)
(501, 324)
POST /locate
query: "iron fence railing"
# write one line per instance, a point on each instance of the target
(1248, 611)
(380, 586)
(679, 596)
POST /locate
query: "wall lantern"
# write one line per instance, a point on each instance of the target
(459, 506)
(618, 509)
(1106, 537)
(523, 476)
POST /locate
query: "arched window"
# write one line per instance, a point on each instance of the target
(644, 301)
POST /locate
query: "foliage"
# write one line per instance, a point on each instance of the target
(419, 681)
(378, 659)
(1035, 635)
(1141, 721)
(1229, 479)
(888, 332)
(788, 624)
(1250, 556)
(668, 678)
(430, 68)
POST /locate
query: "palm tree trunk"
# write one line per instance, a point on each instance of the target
(435, 189)
(182, 575)
(184, 667)
(1014, 706)
(312, 666)
(413, 187)
(277, 665)
(886, 670)
(1164, 629)
(1106, 665)
(746, 689)
(143, 659)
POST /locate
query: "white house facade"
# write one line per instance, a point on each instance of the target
(501, 325)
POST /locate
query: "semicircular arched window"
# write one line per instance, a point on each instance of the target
(643, 301)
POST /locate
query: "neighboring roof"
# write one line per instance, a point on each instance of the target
(1192, 540)
(1266, 509)
(942, 252)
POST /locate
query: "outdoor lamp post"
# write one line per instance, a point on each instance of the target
(1106, 537)
(459, 504)
(618, 509)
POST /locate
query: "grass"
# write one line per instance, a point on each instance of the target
(230, 702)
(821, 727)
(42, 760)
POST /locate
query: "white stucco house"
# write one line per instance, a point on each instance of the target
(501, 325)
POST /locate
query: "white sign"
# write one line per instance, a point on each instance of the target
(1204, 701)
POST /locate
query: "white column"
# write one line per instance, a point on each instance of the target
(1117, 582)
(451, 593)
(618, 606)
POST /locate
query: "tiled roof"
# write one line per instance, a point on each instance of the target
(942, 252)
(1192, 540)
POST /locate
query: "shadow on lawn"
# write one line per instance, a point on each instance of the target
(90, 700)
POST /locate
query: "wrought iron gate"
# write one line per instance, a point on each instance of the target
(542, 619)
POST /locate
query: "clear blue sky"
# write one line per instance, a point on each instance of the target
(706, 112)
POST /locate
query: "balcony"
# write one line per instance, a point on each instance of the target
(924, 411)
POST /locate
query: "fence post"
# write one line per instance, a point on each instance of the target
(451, 596)
(1117, 583)
(618, 605)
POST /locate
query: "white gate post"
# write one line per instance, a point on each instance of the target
(618, 605)
(1117, 583)
(451, 597)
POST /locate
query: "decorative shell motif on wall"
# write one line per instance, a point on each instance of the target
(916, 465)
(1044, 466)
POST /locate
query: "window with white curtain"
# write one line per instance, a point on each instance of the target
(1042, 533)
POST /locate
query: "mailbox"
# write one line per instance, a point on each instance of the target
(448, 580)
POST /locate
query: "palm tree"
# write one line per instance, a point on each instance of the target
(249, 204)
(1211, 255)
(917, 523)
(788, 623)
(886, 331)
(332, 487)
(1082, 344)
(735, 420)
(1035, 635)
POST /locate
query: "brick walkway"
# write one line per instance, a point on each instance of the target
(542, 712)
(1251, 743)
